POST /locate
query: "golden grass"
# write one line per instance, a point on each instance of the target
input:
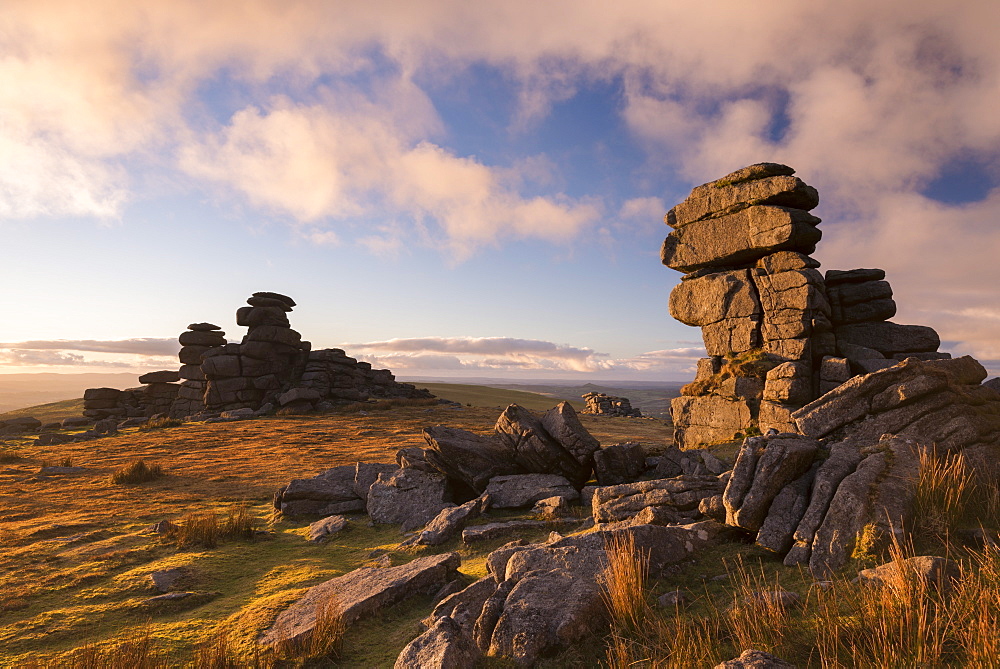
(160, 423)
(75, 553)
(624, 580)
(136, 472)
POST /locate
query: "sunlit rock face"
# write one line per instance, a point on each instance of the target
(778, 333)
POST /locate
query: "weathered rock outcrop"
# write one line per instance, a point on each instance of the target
(272, 366)
(539, 598)
(777, 332)
(608, 405)
(521, 443)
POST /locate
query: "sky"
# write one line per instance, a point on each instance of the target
(453, 188)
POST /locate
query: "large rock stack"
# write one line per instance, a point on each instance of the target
(199, 339)
(778, 334)
(271, 367)
(608, 405)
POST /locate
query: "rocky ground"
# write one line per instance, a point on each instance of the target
(78, 552)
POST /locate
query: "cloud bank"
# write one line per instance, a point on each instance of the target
(327, 118)
(506, 355)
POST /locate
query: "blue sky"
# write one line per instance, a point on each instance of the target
(453, 188)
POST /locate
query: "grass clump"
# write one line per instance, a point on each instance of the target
(67, 461)
(160, 423)
(754, 363)
(137, 472)
(324, 643)
(204, 529)
(945, 492)
(7, 457)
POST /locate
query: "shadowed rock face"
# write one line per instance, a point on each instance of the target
(743, 243)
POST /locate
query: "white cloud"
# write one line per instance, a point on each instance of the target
(463, 355)
(869, 101)
(149, 346)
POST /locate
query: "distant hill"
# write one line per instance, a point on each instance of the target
(28, 390)
(652, 399)
(488, 396)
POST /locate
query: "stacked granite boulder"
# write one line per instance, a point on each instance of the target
(271, 367)
(607, 405)
(777, 333)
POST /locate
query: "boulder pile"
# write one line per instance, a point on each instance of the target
(607, 405)
(777, 332)
(271, 367)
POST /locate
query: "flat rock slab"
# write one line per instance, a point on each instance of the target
(494, 530)
(165, 580)
(361, 593)
(521, 490)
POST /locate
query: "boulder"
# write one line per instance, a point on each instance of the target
(681, 493)
(360, 594)
(471, 535)
(165, 376)
(740, 237)
(321, 530)
(563, 425)
(712, 298)
(549, 596)
(936, 572)
(450, 521)
(446, 645)
(708, 420)
(329, 493)
(763, 467)
(619, 463)
(713, 199)
(523, 490)
(203, 327)
(552, 507)
(298, 395)
(534, 449)
(202, 338)
(755, 659)
(887, 337)
(468, 457)
(409, 497)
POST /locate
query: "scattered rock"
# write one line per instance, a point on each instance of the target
(672, 600)
(165, 580)
(495, 530)
(552, 507)
(755, 659)
(322, 529)
(936, 572)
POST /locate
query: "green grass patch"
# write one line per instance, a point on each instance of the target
(48, 413)
(485, 396)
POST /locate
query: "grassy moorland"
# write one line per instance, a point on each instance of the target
(76, 553)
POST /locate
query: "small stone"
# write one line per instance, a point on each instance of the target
(672, 600)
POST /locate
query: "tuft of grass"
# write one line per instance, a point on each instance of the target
(203, 528)
(160, 423)
(136, 472)
(945, 492)
(219, 652)
(200, 528)
(133, 650)
(240, 523)
(624, 580)
(67, 461)
(7, 457)
(326, 640)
